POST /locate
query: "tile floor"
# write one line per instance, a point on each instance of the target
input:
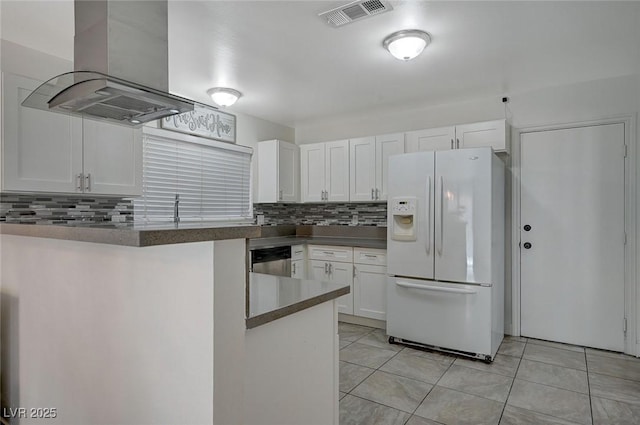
(531, 382)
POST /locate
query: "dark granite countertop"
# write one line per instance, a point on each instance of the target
(317, 240)
(135, 234)
(274, 297)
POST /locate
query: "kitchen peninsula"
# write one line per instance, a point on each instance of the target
(148, 324)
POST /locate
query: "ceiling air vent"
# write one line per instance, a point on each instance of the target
(355, 11)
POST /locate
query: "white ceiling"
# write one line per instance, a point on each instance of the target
(293, 67)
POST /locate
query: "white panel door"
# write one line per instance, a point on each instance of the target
(312, 172)
(42, 151)
(433, 139)
(288, 163)
(370, 291)
(387, 145)
(463, 215)
(112, 158)
(572, 273)
(481, 134)
(362, 169)
(412, 176)
(337, 170)
(343, 273)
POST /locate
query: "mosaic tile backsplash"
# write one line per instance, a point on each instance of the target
(369, 214)
(63, 209)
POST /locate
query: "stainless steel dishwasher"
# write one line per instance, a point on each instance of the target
(274, 261)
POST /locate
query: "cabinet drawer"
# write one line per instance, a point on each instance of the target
(370, 256)
(330, 253)
(297, 252)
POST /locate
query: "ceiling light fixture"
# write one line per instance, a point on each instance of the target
(406, 44)
(224, 96)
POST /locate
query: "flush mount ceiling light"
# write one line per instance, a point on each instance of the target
(224, 96)
(406, 44)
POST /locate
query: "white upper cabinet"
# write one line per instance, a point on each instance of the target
(490, 133)
(112, 158)
(324, 171)
(41, 151)
(481, 134)
(362, 168)
(387, 145)
(51, 152)
(312, 172)
(278, 171)
(337, 171)
(433, 139)
(369, 157)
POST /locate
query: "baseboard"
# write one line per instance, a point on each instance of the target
(362, 321)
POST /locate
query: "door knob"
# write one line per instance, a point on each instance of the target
(527, 245)
(527, 227)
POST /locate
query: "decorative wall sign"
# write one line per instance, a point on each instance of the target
(205, 122)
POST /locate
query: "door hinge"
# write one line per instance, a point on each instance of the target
(624, 325)
(625, 151)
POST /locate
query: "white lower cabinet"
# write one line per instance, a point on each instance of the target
(370, 291)
(363, 269)
(334, 271)
(370, 283)
(298, 269)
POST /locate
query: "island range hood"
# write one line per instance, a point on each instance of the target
(121, 67)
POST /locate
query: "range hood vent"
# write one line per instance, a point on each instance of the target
(121, 66)
(355, 11)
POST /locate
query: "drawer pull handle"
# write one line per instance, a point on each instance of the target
(434, 288)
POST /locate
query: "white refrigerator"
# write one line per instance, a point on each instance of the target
(445, 247)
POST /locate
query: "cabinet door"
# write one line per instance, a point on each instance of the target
(343, 273)
(41, 151)
(318, 270)
(112, 158)
(362, 169)
(370, 291)
(482, 134)
(387, 145)
(288, 172)
(433, 139)
(312, 172)
(298, 270)
(337, 170)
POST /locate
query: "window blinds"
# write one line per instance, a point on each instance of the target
(212, 179)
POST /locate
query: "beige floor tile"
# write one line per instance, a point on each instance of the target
(555, 356)
(365, 355)
(559, 345)
(392, 390)
(357, 411)
(471, 381)
(620, 368)
(350, 375)
(555, 376)
(378, 338)
(563, 404)
(615, 388)
(455, 408)
(609, 412)
(416, 367)
(517, 416)
(502, 365)
(511, 348)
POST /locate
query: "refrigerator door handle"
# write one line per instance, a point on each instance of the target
(434, 288)
(427, 242)
(441, 215)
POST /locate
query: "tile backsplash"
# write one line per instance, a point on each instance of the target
(368, 214)
(63, 209)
